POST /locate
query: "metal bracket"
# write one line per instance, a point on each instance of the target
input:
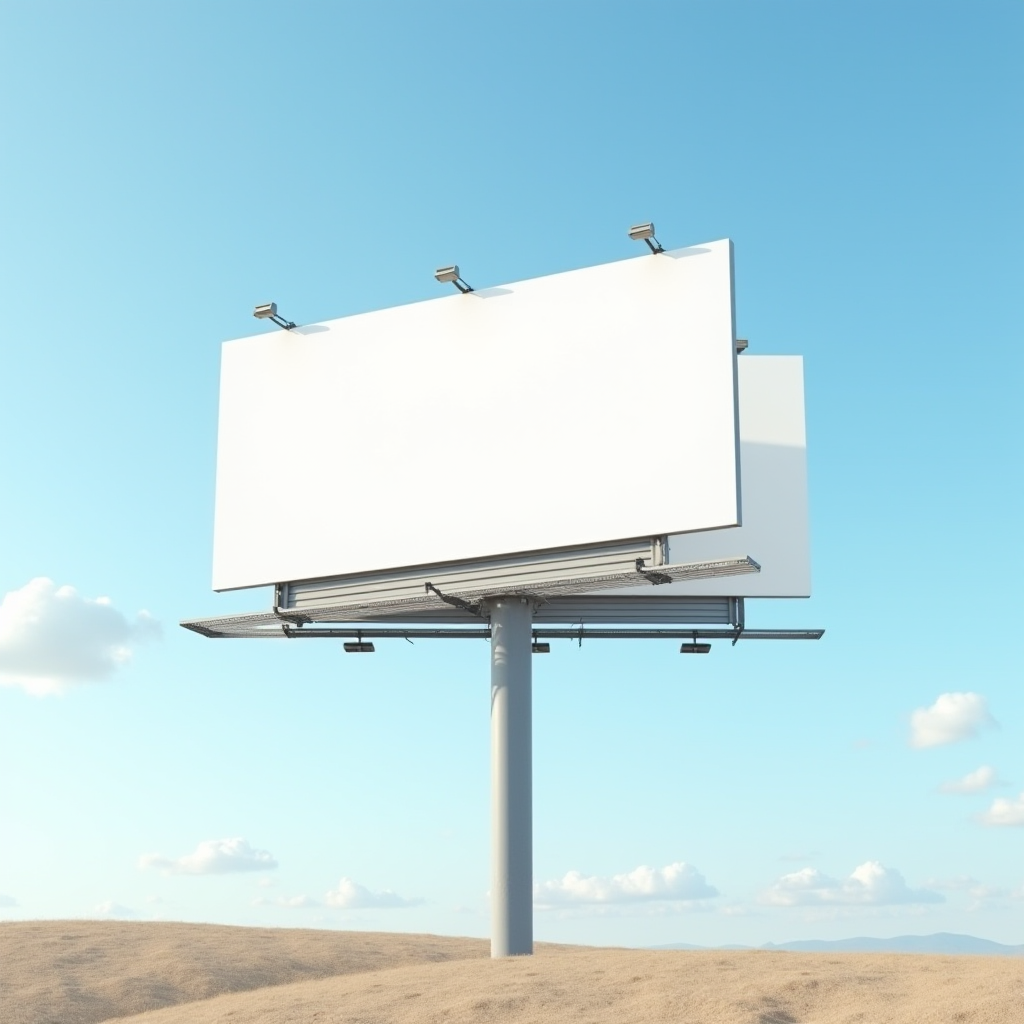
(223, 628)
(290, 617)
(455, 602)
(657, 578)
(737, 611)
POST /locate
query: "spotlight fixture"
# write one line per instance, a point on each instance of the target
(541, 647)
(451, 275)
(268, 311)
(358, 647)
(645, 233)
(741, 345)
(695, 648)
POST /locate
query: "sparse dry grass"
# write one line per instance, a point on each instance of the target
(82, 972)
(373, 978)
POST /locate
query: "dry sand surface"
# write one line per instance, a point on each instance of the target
(78, 972)
(82, 972)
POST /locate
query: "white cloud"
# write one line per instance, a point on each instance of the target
(741, 910)
(292, 902)
(973, 782)
(298, 901)
(953, 717)
(352, 896)
(982, 897)
(679, 881)
(1005, 812)
(52, 638)
(7, 901)
(959, 883)
(111, 909)
(871, 884)
(213, 857)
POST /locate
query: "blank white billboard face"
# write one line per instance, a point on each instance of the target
(774, 533)
(584, 407)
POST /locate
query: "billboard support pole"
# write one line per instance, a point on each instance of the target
(511, 776)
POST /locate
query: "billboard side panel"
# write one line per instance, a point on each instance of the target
(773, 461)
(518, 418)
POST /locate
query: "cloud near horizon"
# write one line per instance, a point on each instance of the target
(1005, 812)
(52, 638)
(676, 882)
(870, 884)
(953, 717)
(213, 857)
(973, 782)
(291, 902)
(981, 896)
(110, 909)
(352, 896)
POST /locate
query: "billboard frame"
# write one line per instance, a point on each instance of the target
(506, 588)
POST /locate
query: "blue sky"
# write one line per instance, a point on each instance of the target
(167, 166)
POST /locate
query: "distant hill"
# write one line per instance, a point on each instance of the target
(941, 942)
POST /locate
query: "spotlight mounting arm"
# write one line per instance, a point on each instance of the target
(451, 275)
(268, 311)
(645, 233)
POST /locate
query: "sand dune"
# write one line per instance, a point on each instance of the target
(372, 978)
(82, 972)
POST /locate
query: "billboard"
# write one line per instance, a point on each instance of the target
(578, 408)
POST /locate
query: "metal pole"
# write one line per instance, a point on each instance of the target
(511, 777)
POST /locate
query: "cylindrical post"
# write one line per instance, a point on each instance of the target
(511, 777)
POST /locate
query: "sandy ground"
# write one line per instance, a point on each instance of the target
(82, 972)
(88, 972)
